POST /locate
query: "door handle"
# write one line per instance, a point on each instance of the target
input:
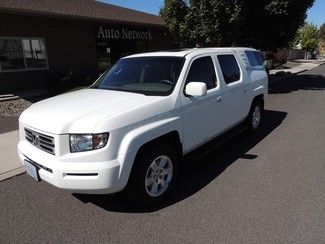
(219, 99)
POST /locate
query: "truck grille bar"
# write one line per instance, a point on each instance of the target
(41, 141)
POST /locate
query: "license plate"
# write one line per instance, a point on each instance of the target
(31, 170)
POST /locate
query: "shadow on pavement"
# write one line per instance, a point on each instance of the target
(196, 175)
(35, 99)
(298, 82)
(8, 124)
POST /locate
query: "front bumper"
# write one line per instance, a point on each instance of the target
(78, 177)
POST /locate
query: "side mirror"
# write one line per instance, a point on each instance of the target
(196, 89)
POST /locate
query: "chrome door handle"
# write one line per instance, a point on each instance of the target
(219, 99)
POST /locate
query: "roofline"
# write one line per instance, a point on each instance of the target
(73, 17)
(130, 9)
(186, 52)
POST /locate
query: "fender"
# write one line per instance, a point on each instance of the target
(134, 139)
(259, 90)
(261, 87)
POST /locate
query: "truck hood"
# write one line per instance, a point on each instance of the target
(80, 111)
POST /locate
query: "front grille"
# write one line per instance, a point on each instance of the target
(41, 141)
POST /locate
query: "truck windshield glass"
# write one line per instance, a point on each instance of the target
(155, 76)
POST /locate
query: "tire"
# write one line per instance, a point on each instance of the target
(254, 119)
(153, 175)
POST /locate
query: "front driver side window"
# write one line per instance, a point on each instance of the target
(202, 70)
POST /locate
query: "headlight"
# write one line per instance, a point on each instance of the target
(87, 142)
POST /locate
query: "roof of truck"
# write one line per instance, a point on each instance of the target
(185, 52)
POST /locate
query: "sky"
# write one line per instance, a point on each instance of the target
(149, 6)
(316, 14)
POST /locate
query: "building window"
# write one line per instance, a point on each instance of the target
(21, 54)
(11, 55)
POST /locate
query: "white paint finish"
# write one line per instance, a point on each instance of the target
(196, 89)
(202, 117)
(236, 99)
(132, 120)
(106, 181)
(81, 111)
(191, 52)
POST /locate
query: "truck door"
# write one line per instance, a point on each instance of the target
(202, 116)
(235, 95)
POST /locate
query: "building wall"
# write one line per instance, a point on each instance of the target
(322, 48)
(288, 54)
(70, 44)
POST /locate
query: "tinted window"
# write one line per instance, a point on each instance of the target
(22, 54)
(229, 67)
(11, 55)
(254, 58)
(146, 75)
(34, 51)
(202, 70)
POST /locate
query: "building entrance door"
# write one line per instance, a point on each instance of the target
(108, 52)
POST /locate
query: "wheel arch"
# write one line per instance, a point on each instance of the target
(166, 131)
(259, 98)
(171, 138)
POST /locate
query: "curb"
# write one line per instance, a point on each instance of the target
(292, 74)
(6, 98)
(11, 173)
(23, 95)
(286, 76)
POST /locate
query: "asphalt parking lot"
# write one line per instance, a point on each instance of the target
(263, 188)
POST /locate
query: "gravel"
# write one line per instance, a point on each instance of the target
(13, 108)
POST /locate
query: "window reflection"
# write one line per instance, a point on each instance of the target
(11, 55)
(34, 53)
(22, 54)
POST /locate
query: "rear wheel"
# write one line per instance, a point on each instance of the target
(153, 175)
(255, 116)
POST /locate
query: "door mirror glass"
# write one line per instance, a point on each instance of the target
(196, 89)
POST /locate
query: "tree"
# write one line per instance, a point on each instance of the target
(264, 24)
(321, 33)
(174, 13)
(308, 37)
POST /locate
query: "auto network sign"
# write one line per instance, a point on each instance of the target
(123, 33)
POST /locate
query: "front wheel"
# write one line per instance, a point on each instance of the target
(255, 116)
(153, 175)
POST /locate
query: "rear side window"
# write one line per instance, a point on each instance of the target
(255, 58)
(202, 70)
(229, 67)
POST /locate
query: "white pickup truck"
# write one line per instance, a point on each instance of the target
(130, 130)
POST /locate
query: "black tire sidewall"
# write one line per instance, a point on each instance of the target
(250, 117)
(136, 186)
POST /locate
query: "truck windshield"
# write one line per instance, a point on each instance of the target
(154, 76)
